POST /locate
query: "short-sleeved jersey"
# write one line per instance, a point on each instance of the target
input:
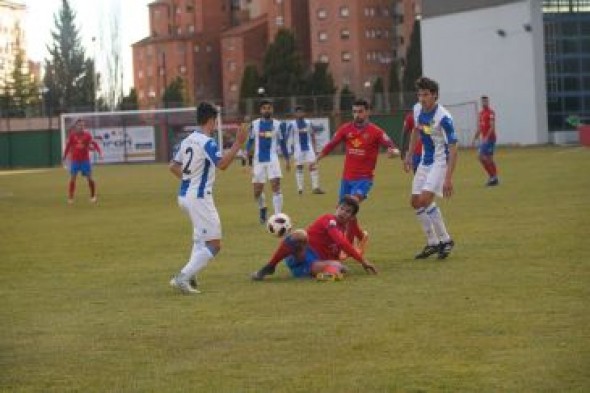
(409, 126)
(79, 145)
(198, 155)
(436, 131)
(301, 132)
(362, 145)
(486, 117)
(265, 135)
(327, 238)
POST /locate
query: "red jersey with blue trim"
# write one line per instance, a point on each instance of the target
(409, 126)
(79, 145)
(362, 148)
(486, 117)
(327, 238)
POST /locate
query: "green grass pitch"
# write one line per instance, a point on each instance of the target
(86, 306)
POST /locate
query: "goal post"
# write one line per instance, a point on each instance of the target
(139, 135)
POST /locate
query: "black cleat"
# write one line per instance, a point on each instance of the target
(318, 191)
(428, 251)
(266, 270)
(445, 249)
(193, 283)
(493, 181)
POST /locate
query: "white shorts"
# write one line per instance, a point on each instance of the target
(204, 217)
(263, 171)
(304, 157)
(430, 178)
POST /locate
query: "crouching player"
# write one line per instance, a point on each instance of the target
(314, 252)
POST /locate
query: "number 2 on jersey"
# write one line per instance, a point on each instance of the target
(189, 152)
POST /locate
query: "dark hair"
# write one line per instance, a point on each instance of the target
(361, 102)
(206, 111)
(299, 108)
(424, 83)
(484, 97)
(264, 102)
(351, 201)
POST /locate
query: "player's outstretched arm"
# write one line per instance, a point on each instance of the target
(229, 156)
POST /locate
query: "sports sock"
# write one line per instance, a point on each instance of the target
(92, 187)
(437, 222)
(493, 170)
(261, 200)
(299, 178)
(427, 226)
(71, 189)
(200, 256)
(315, 178)
(286, 248)
(277, 202)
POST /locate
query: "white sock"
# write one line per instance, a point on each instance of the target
(200, 256)
(261, 201)
(427, 226)
(277, 201)
(437, 222)
(315, 178)
(299, 178)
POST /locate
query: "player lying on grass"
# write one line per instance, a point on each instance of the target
(314, 252)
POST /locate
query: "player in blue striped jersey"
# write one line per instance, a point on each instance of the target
(434, 126)
(266, 136)
(194, 164)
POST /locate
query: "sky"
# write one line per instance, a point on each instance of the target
(90, 14)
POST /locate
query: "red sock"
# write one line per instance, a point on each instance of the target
(71, 189)
(285, 249)
(353, 230)
(492, 168)
(92, 187)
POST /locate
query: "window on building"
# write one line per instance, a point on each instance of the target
(344, 11)
(345, 34)
(233, 87)
(197, 48)
(231, 65)
(324, 58)
(346, 56)
(208, 48)
(280, 20)
(182, 69)
(322, 36)
(322, 13)
(191, 28)
(140, 74)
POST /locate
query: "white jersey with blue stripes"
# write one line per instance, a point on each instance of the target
(198, 155)
(265, 134)
(436, 131)
(300, 131)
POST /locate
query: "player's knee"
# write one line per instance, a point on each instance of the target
(214, 247)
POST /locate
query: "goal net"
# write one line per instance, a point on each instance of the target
(142, 135)
(465, 120)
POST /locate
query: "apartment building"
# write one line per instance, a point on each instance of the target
(12, 18)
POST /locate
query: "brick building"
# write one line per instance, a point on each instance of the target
(210, 46)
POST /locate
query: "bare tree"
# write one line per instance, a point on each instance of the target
(111, 62)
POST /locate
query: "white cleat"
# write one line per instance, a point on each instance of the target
(70, 201)
(183, 286)
(93, 199)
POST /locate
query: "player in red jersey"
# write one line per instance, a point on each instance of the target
(314, 252)
(78, 147)
(362, 140)
(486, 132)
(407, 130)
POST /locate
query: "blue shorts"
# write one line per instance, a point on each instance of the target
(80, 166)
(416, 161)
(355, 187)
(302, 268)
(487, 148)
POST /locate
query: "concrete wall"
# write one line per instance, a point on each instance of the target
(466, 55)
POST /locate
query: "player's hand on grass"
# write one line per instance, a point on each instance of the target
(369, 267)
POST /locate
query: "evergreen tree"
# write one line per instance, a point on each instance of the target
(22, 90)
(283, 69)
(130, 101)
(66, 71)
(377, 100)
(249, 88)
(394, 86)
(347, 98)
(174, 94)
(413, 68)
(321, 83)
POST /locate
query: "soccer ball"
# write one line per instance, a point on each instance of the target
(279, 224)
